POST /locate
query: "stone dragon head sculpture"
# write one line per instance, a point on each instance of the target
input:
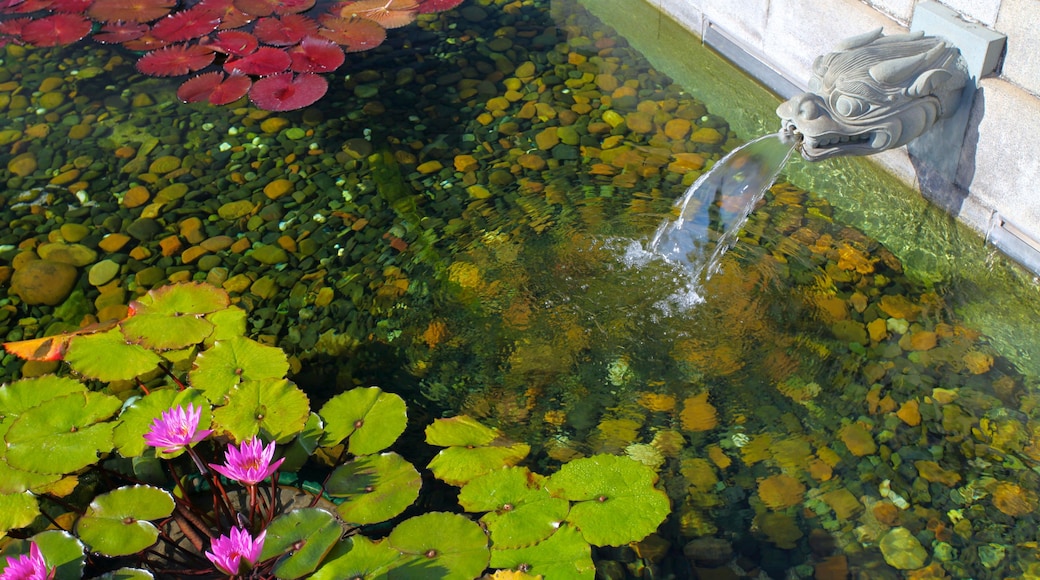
(874, 93)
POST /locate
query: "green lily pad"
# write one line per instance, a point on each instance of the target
(236, 360)
(228, 323)
(20, 396)
(17, 510)
(458, 465)
(443, 545)
(358, 558)
(137, 417)
(520, 510)
(373, 419)
(116, 523)
(189, 298)
(16, 481)
(564, 554)
(376, 488)
(616, 501)
(63, 434)
(278, 407)
(107, 356)
(63, 553)
(164, 331)
(461, 431)
(306, 534)
(301, 448)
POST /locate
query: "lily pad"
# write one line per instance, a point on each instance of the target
(373, 420)
(520, 511)
(63, 553)
(107, 356)
(458, 465)
(116, 523)
(137, 417)
(301, 448)
(460, 431)
(306, 534)
(375, 487)
(183, 299)
(16, 481)
(443, 545)
(63, 434)
(357, 557)
(616, 501)
(164, 331)
(17, 510)
(236, 360)
(564, 554)
(228, 323)
(20, 396)
(278, 407)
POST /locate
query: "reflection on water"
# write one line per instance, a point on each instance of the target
(821, 412)
(715, 207)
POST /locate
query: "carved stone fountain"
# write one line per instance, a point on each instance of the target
(874, 93)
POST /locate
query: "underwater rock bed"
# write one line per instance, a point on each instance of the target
(456, 212)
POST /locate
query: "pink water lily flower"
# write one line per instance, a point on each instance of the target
(229, 552)
(250, 463)
(176, 429)
(29, 566)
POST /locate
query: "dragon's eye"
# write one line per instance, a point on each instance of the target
(847, 106)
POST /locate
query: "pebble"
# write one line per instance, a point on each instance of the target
(902, 550)
(429, 167)
(136, 196)
(102, 272)
(278, 188)
(193, 253)
(43, 282)
(707, 136)
(269, 255)
(217, 243)
(113, 242)
(233, 210)
(144, 229)
(72, 254)
(74, 232)
(22, 165)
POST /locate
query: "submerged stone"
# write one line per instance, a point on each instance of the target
(902, 550)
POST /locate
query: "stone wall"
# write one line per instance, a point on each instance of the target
(999, 169)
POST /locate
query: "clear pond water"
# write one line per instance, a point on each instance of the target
(455, 222)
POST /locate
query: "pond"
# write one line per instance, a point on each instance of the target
(460, 220)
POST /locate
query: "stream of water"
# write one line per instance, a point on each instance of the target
(707, 218)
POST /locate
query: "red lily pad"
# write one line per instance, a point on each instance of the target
(428, 6)
(269, 7)
(175, 60)
(145, 42)
(56, 29)
(230, 16)
(285, 30)
(214, 88)
(71, 6)
(286, 91)
(388, 14)
(265, 61)
(235, 43)
(353, 34)
(186, 25)
(120, 32)
(129, 10)
(316, 55)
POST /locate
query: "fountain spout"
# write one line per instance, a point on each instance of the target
(874, 93)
